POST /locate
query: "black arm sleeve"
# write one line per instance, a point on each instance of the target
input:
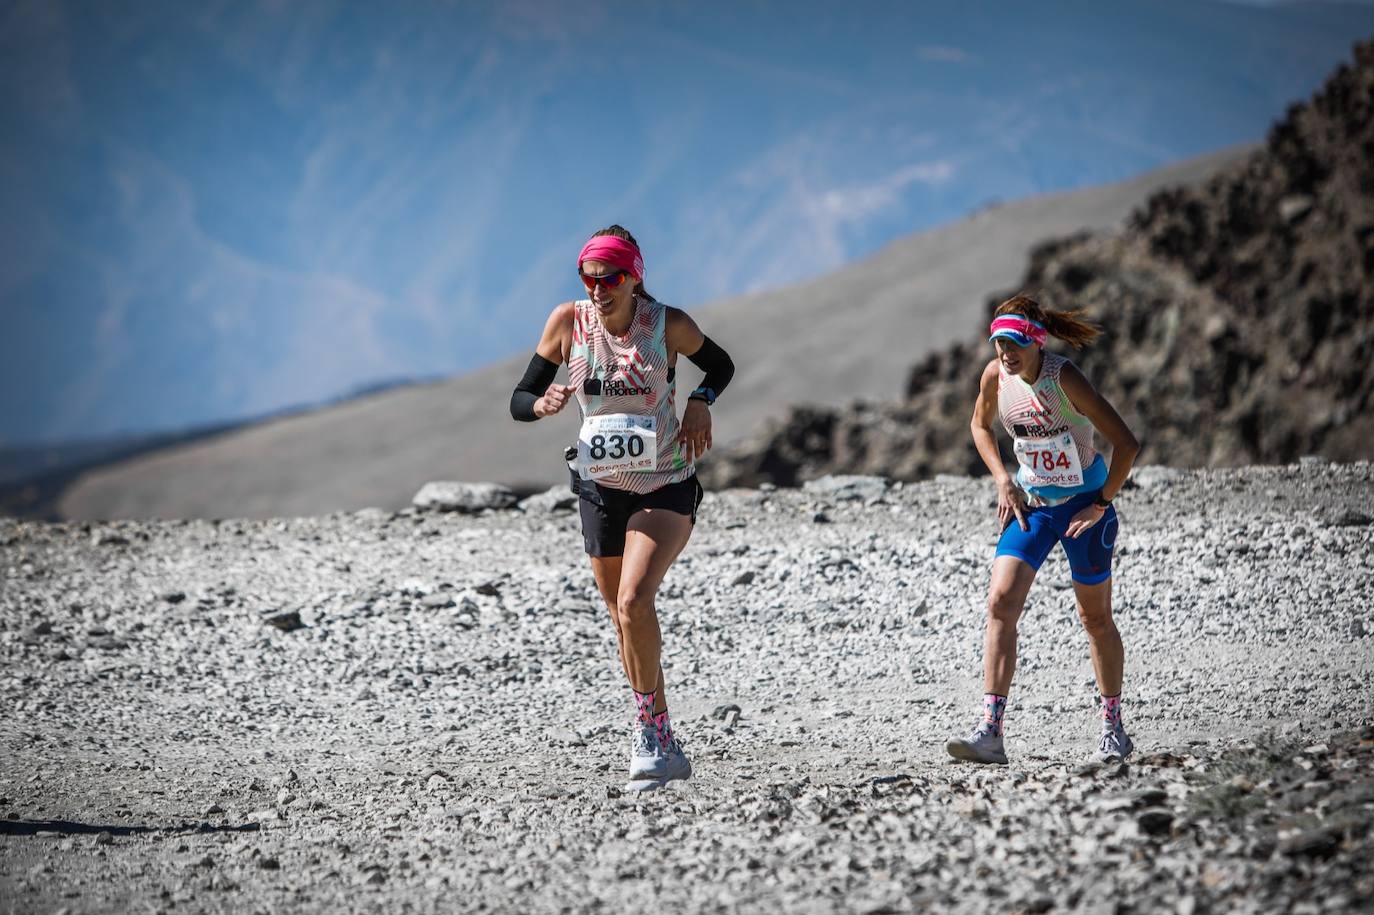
(538, 377)
(715, 362)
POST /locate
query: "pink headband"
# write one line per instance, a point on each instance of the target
(617, 252)
(1019, 329)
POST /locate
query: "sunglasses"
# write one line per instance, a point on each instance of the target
(606, 281)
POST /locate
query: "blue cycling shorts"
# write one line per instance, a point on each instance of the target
(1090, 553)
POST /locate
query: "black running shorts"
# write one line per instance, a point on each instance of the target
(606, 512)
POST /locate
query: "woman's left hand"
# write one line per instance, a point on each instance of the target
(695, 433)
(1085, 519)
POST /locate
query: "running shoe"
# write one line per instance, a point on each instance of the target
(653, 764)
(1113, 745)
(646, 759)
(981, 746)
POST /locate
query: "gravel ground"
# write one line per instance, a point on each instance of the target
(447, 726)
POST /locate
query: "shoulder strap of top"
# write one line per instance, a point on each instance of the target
(1053, 362)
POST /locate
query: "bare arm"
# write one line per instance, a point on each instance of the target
(984, 414)
(1009, 501)
(554, 345)
(556, 340)
(682, 335)
(1106, 420)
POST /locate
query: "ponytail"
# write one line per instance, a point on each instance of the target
(1070, 326)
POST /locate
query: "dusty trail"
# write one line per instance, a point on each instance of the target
(447, 730)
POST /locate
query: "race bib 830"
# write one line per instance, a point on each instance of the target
(615, 442)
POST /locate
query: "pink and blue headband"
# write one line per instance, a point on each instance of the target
(1018, 329)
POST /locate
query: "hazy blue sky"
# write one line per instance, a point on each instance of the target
(216, 209)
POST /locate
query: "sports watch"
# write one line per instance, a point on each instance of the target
(703, 393)
(1101, 502)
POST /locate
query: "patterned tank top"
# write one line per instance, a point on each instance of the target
(629, 374)
(1042, 412)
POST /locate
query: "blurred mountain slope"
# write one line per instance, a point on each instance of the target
(849, 335)
(1239, 319)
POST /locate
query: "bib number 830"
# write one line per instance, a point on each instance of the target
(615, 446)
(615, 443)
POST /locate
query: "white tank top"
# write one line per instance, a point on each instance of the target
(629, 374)
(1053, 441)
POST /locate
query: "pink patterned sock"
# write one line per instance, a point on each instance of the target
(644, 704)
(1111, 710)
(993, 708)
(664, 728)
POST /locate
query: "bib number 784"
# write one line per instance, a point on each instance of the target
(1048, 460)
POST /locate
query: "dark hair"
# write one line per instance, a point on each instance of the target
(624, 234)
(1069, 326)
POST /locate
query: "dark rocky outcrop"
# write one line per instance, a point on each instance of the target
(1238, 319)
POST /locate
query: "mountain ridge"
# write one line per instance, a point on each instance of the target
(379, 450)
(1238, 319)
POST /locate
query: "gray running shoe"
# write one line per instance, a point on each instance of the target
(981, 746)
(654, 764)
(1114, 744)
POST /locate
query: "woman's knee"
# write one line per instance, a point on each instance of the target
(1096, 621)
(634, 605)
(1004, 606)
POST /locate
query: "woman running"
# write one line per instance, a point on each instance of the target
(1062, 493)
(634, 467)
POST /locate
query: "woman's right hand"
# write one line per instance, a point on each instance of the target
(554, 400)
(1010, 503)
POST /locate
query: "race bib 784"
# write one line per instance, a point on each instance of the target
(1049, 461)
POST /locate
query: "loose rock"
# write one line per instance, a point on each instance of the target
(464, 497)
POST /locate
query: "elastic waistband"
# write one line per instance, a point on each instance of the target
(1035, 501)
(1041, 502)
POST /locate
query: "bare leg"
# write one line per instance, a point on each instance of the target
(606, 570)
(1011, 582)
(653, 539)
(1104, 641)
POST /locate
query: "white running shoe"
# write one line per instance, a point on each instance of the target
(646, 760)
(652, 764)
(1113, 745)
(981, 746)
